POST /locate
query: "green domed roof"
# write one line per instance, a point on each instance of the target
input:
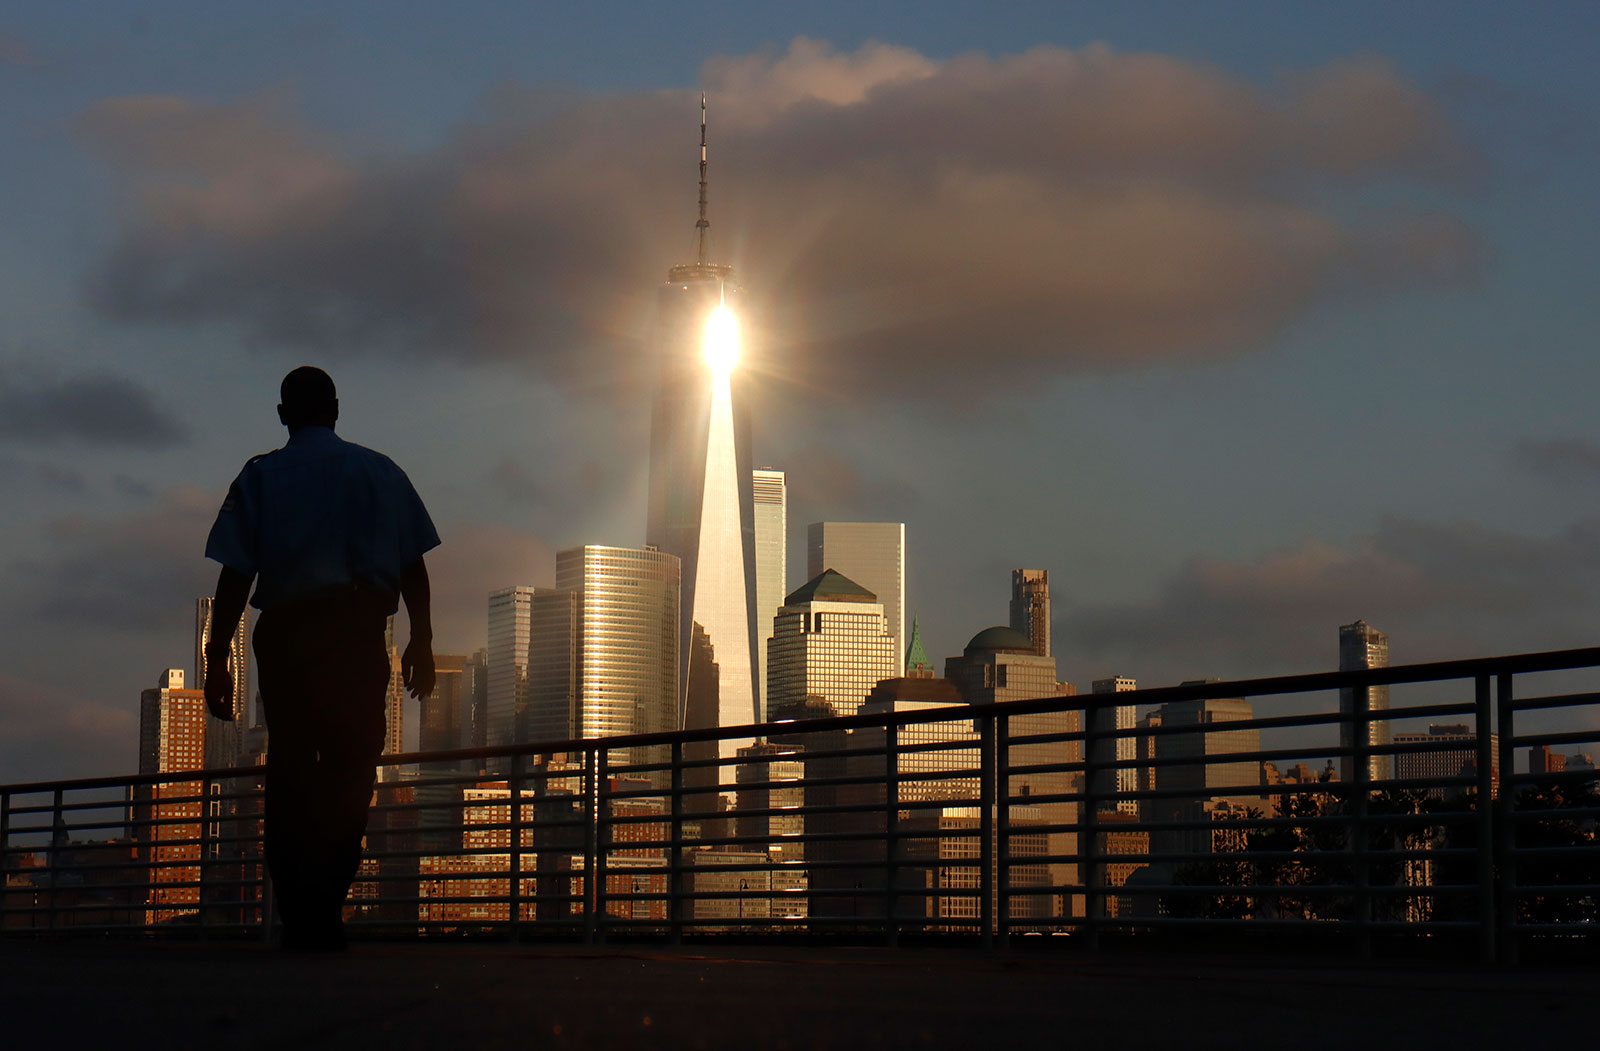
(999, 639)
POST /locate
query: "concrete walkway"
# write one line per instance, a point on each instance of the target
(221, 997)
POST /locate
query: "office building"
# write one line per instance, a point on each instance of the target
(506, 665)
(700, 502)
(829, 641)
(1361, 646)
(446, 721)
(224, 739)
(1435, 760)
(476, 684)
(1211, 782)
(1030, 606)
(1124, 779)
(772, 553)
(628, 608)
(873, 554)
(168, 814)
(553, 707)
(394, 705)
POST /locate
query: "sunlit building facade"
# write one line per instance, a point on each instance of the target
(510, 617)
(1030, 606)
(224, 739)
(873, 554)
(772, 522)
(1125, 779)
(829, 641)
(1361, 646)
(172, 739)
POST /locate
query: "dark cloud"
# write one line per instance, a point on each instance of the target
(133, 573)
(823, 483)
(912, 226)
(1560, 456)
(48, 732)
(1439, 590)
(16, 474)
(472, 560)
(15, 51)
(102, 409)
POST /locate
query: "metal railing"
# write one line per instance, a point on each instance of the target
(1256, 808)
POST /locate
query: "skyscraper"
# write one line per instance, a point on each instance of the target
(829, 641)
(701, 506)
(604, 652)
(772, 552)
(446, 721)
(507, 663)
(1361, 646)
(1030, 606)
(172, 738)
(223, 739)
(1126, 748)
(873, 554)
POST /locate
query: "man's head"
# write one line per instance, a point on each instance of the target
(308, 399)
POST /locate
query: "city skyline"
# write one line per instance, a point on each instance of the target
(1374, 236)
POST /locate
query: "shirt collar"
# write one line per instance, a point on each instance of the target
(312, 436)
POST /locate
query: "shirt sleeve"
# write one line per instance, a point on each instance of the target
(417, 536)
(233, 535)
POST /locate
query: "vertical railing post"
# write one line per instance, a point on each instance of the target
(57, 833)
(675, 850)
(1089, 826)
(1360, 800)
(1486, 825)
(1002, 835)
(1505, 826)
(207, 840)
(5, 849)
(514, 783)
(602, 842)
(986, 804)
(891, 832)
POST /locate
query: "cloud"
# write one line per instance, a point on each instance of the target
(1560, 456)
(101, 409)
(1440, 590)
(48, 732)
(15, 51)
(910, 228)
(133, 573)
(472, 560)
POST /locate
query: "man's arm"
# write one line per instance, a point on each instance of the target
(416, 664)
(233, 590)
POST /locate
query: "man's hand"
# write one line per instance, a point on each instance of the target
(219, 690)
(416, 668)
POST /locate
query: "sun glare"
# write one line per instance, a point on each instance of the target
(722, 341)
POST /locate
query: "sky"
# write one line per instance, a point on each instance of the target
(1244, 320)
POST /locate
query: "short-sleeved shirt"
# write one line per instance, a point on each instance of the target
(319, 514)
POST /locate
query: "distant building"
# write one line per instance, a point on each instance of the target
(829, 640)
(1361, 647)
(446, 720)
(1125, 779)
(506, 660)
(1427, 761)
(917, 665)
(772, 554)
(603, 646)
(1030, 606)
(475, 674)
(1541, 760)
(169, 815)
(223, 739)
(1210, 779)
(873, 554)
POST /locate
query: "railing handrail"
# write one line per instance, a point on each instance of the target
(1462, 668)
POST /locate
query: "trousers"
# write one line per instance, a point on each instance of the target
(323, 673)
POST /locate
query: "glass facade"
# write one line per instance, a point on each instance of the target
(873, 554)
(772, 553)
(1361, 646)
(510, 615)
(835, 650)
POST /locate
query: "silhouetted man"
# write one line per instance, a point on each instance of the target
(333, 536)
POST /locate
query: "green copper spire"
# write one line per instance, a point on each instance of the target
(916, 656)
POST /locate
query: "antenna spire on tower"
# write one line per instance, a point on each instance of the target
(702, 224)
